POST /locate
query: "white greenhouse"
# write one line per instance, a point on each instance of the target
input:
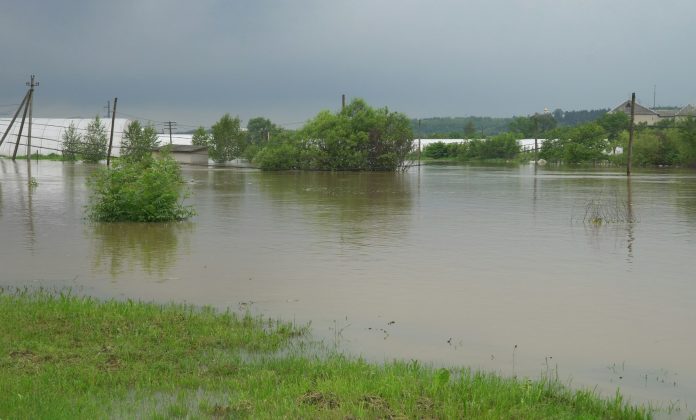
(47, 134)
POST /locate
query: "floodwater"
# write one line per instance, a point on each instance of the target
(488, 267)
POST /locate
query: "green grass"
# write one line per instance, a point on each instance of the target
(63, 356)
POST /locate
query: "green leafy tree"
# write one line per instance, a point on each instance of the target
(94, 145)
(687, 141)
(200, 137)
(260, 130)
(282, 152)
(581, 143)
(502, 146)
(138, 142)
(71, 143)
(614, 124)
(226, 139)
(524, 125)
(259, 133)
(437, 150)
(535, 126)
(652, 148)
(358, 138)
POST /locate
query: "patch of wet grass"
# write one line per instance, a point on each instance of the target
(63, 356)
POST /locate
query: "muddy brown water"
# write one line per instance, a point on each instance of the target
(451, 265)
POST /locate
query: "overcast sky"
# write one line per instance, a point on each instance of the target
(192, 61)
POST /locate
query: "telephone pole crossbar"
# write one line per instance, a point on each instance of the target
(27, 105)
(170, 125)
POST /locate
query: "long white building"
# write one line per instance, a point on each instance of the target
(47, 134)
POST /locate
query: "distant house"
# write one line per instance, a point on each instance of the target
(653, 116)
(186, 154)
(641, 113)
(688, 111)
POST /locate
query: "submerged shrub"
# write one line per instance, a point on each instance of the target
(145, 191)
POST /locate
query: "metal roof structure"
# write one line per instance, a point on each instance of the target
(47, 134)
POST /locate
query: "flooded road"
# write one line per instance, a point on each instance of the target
(489, 267)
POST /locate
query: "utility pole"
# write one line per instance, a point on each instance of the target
(419, 144)
(169, 125)
(9, 127)
(108, 109)
(26, 104)
(111, 137)
(536, 139)
(31, 85)
(343, 102)
(630, 134)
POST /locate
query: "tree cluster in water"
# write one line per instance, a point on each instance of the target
(357, 138)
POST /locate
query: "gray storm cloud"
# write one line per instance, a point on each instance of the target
(193, 61)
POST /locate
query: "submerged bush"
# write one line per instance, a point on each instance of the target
(144, 191)
(357, 138)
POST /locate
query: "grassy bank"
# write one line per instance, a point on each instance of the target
(72, 357)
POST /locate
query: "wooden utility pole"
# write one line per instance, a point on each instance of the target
(343, 102)
(630, 134)
(9, 127)
(111, 137)
(536, 139)
(21, 126)
(169, 125)
(419, 144)
(31, 85)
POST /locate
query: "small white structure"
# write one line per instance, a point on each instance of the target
(527, 145)
(47, 134)
(427, 142)
(183, 139)
(186, 154)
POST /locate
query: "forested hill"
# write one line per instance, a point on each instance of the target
(470, 127)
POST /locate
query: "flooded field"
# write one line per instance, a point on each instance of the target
(496, 268)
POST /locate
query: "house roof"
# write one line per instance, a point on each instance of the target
(182, 148)
(639, 110)
(666, 113)
(687, 111)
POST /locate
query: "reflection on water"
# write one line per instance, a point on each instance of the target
(134, 247)
(631, 219)
(451, 264)
(354, 206)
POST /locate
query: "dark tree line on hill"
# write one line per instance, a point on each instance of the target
(483, 127)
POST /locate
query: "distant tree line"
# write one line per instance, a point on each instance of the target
(569, 118)
(483, 127)
(668, 143)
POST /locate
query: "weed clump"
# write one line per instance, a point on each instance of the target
(599, 212)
